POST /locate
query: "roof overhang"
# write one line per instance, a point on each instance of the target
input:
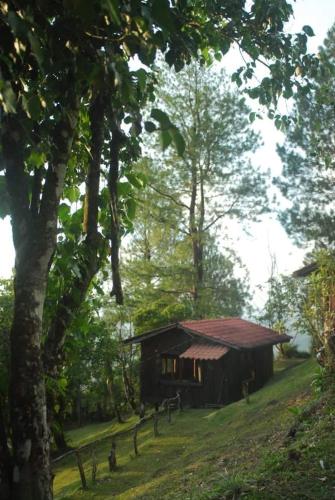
(204, 352)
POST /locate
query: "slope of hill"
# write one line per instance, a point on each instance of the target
(279, 446)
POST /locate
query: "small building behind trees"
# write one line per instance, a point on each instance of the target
(210, 362)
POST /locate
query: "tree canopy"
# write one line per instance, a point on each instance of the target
(308, 157)
(190, 198)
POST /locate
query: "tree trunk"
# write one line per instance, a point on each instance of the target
(34, 235)
(193, 231)
(5, 462)
(30, 436)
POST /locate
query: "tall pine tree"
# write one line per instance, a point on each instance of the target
(308, 156)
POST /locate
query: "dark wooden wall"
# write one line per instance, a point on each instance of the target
(242, 365)
(222, 379)
(173, 342)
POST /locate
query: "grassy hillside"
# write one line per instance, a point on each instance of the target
(240, 450)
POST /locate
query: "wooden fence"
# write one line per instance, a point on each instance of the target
(167, 406)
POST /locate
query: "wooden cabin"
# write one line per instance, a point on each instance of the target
(210, 362)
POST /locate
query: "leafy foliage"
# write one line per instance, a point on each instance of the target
(319, 310)
(308, 157)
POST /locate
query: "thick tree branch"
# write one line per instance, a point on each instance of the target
(70, 302)
(12, 139)
(63, 136)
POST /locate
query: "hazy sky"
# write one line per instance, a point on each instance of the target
(267, 236)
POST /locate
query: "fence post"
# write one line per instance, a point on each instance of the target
(245, 390)
(135, 438)
(168, 411)
(81, 470)
(94, 465)
(112, 457)
(155, 418)
(179, 402)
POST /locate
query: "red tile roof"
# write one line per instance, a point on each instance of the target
(235, 332)
(231, 332)
(205, 351)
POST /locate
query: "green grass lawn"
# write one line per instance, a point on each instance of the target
(209, 454)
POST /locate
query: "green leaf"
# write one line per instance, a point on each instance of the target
(150, 126)
(72, 193)
(8, 96)
(252, 116)
(36, 49)
(135, 180)
(64, 212)
(178, 141)
(141, 75)
(131, 208)
(308, 30)
(254, 93)
(161, 117)
(143, 178)
(165, 139)
(161, 12)
(34, 107)
(76, 270)
(36, 159)
(288, 92)
(124, 188)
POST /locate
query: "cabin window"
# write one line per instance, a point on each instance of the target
(185, 369)
(192, 370)
(169, 366)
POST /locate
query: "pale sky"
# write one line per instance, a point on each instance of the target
(267, 236)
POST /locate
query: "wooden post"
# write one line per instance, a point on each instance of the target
(179, 401)
(112, 457)
(169, 411)
(81, 470)
(245, 390)
(155, 418)
(135, 438)
(94, 466)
